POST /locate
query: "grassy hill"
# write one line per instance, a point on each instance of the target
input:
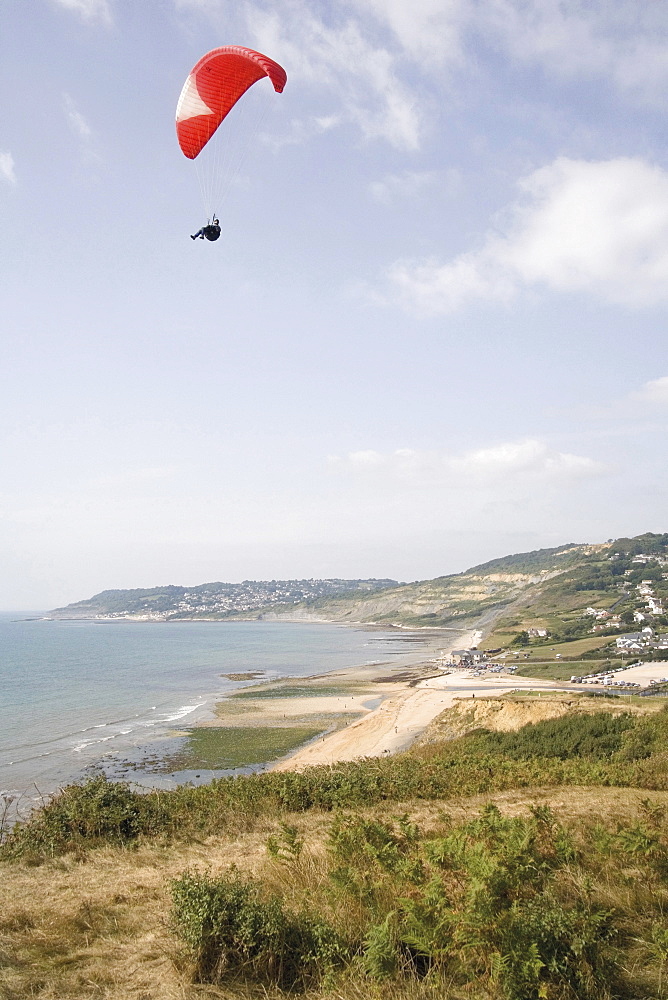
(546, 588)
(525, 863)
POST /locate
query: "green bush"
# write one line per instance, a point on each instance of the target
(485, 903)
(502, 905)
(232, 931)
(95, 810)
(597, 749)
(573, 736)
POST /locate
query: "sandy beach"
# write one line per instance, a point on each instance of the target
(373, 709)
(383, 707)
(340, 700)
(402, 717)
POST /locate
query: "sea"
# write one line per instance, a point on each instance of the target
(78, 696)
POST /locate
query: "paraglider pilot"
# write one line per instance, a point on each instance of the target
(209, 232)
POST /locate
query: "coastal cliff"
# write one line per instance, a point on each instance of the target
(512, 711)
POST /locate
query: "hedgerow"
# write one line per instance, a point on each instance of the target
(597, 749)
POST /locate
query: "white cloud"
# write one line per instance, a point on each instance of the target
(360, 74)
(622, 41)
(598, 227)
(625, 42)
(7, 171)
(402, 464)
(82, 130)
(325, 122)
(89, 10)
(366, 458)
(430, 287)
(655, 391)
(428, 30)
(298, 131)
(528, 459)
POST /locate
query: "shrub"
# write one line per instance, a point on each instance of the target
(594, 736)
(598, 749)
(94, 810)
(499, 904)
(483, 903)
(233, 931)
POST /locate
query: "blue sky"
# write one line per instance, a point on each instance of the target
(432, 332)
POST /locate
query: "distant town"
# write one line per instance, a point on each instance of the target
(213, 600)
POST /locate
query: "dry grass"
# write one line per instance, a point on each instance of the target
(97, 924)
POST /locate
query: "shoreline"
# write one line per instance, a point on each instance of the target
(364, 710)
(403, 717)
(142, 735)
(267, 618)
(369, 710)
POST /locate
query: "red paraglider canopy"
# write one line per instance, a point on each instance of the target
(214, 86)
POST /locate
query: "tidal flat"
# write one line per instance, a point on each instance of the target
(324, 703)
(221, 748)
(266, 723)
(287, 690)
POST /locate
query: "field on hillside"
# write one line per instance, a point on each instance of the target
(557, 671)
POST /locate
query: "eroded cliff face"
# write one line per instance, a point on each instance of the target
(445, 600)
(511, 712)
(475, 597)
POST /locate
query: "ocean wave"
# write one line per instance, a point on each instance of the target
(25, 760)
(183, 711)
(90, 743)
(59, 737)
(62, 737)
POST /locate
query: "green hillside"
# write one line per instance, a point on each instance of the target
(542, 588)
(501, 865)
(603, 580)
(545, 588)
